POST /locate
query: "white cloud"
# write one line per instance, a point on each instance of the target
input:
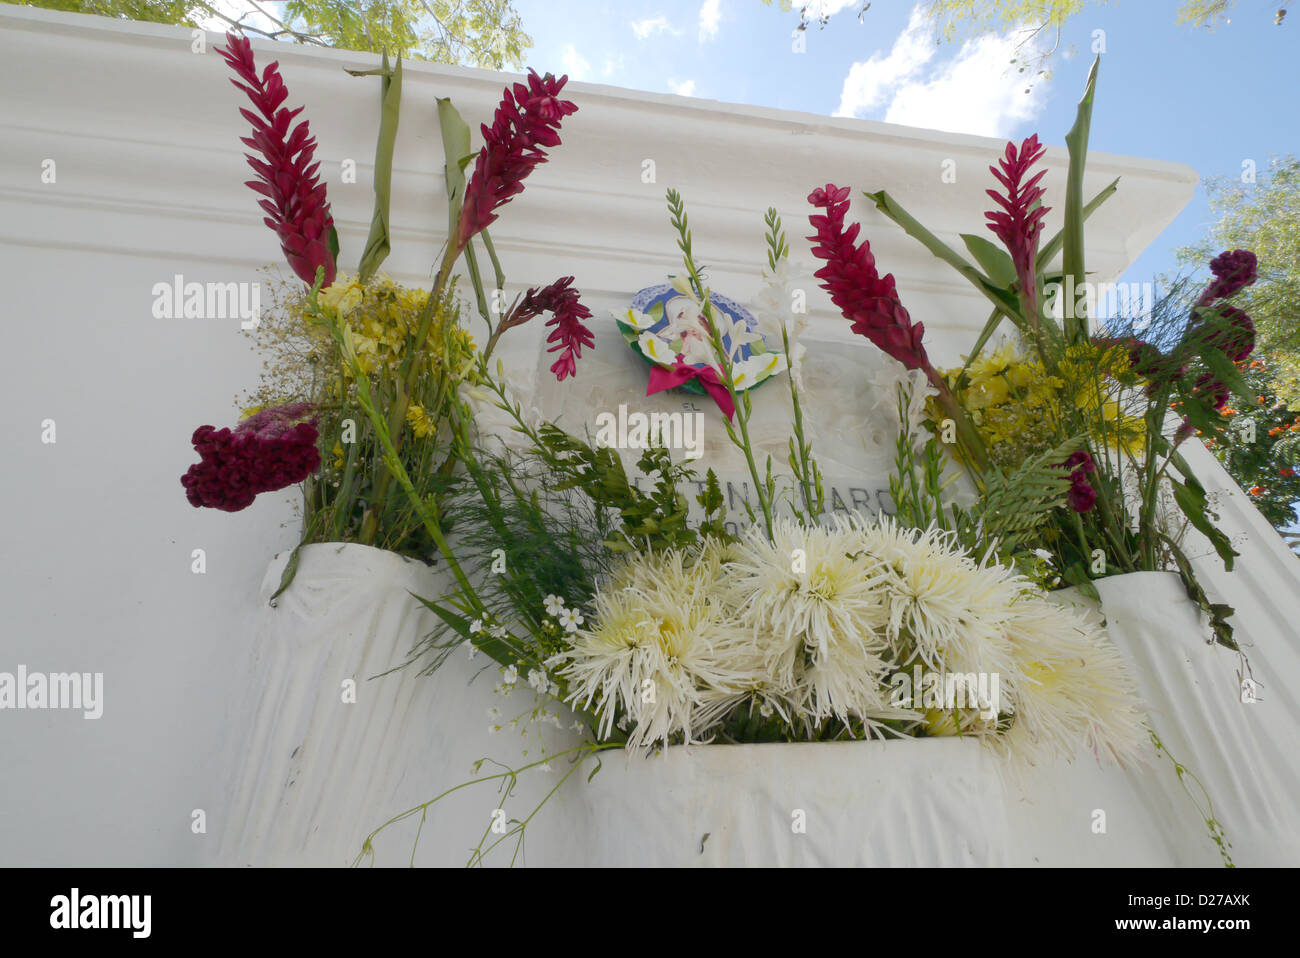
(612, 65)
(870, 81)
(826, 8)
(710, 17)
(972, 91)
(652, 25)
(574, 65)
(685, 88)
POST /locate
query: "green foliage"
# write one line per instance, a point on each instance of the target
(657, 520)
(1261, 448)
(480, 33)
(1263, 217)
(524, 538)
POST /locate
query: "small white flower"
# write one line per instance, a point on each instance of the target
(578, 727)
(497, 631)
(476, 627)
(510, 676)
(493, 729)
(571, 619)
(473, 649)
(493, 712)
(554, 605)
(1044, 555)
(538, 680)
(544, 767)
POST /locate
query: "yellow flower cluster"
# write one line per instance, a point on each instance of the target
(1019, 408)
(382, 316)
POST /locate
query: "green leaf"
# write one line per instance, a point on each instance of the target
(1077, 575)
(455, 148)
(1190, 497)
(459, 624)
(992, 259)
(390, 102)
(333, 243)
(1076, 141)
(996, 294)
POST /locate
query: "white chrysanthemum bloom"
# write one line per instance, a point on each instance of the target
(663, 650)
(944, 607)
(1073, 689)
(819, 612)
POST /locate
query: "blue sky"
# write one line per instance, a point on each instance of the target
(1209, 98)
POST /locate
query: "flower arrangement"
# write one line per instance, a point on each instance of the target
(1118, 406)
(658, 628)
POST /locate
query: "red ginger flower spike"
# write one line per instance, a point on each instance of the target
(1018, 223)
(527, 119)
(569, 335)
(865, 297)
(294, 199)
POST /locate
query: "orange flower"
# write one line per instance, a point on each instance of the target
(1286, 472)
(1275, 430)
(1256, 490)
(1262, 400)
(1228, 411)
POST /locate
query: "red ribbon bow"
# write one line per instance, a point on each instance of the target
(662, 377)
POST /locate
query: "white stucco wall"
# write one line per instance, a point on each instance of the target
(96, 573)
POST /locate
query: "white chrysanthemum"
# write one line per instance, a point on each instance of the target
(1073, 689)
(818, 612)
(663, 650)
(944, 607)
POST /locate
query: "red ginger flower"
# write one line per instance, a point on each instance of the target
(269, 451)
(569, 335)
(865, 297)
(1018, 224)
(294, 199)
(527, 120)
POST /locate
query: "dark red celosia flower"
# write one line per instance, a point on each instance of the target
(293, 197)
(527, 119)
(1080, 464)
(272, 450)
(870, 301)
(1019, 222)
(1232, 271)
(1232, 332)
(569, 335)
(1081, 497)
